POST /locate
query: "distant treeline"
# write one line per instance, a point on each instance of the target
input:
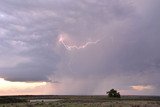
(8, 99)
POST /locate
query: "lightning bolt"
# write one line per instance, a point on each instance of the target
(67, 43)
(70, 45)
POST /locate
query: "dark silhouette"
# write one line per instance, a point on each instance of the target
(113, 94)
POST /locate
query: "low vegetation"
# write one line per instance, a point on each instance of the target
(83, 101)
(8, 99)
(78, 104)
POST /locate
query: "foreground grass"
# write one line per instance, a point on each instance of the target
(80, 101)
(80, 104)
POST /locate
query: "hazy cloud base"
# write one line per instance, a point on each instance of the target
(127, 55)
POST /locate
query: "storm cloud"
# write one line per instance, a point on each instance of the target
(127, 54)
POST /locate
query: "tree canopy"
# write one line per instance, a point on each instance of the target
(113, 93)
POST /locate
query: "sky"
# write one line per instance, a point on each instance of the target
(79, 47)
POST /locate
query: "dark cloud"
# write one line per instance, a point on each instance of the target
(127, 54)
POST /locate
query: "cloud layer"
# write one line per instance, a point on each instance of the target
(126, 55)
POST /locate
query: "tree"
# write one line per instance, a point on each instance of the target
(113, 93)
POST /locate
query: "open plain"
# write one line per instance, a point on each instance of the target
(79, 101)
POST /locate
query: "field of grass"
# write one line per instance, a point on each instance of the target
(84, 101)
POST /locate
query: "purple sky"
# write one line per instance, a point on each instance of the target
(88, 46)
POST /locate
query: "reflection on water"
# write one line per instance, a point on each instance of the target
(44, 100)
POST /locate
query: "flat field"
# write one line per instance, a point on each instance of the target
(78, 101)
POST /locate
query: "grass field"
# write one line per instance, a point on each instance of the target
(83, 101)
